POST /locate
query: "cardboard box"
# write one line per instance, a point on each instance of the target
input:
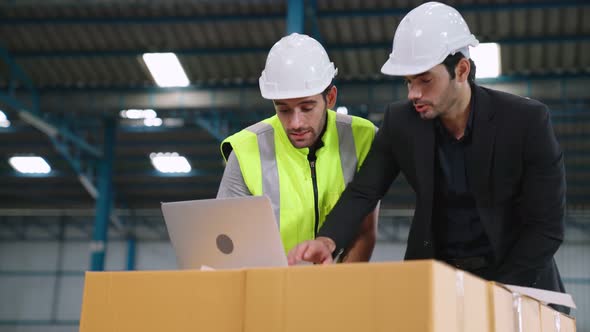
(163, 301)
(502, 317)
(554, 321)
(411, 296)
(512, 312)
(529, 314)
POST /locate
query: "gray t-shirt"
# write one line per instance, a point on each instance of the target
(232, 183)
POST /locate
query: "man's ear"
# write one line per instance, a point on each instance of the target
(331, 97)
(462, 70)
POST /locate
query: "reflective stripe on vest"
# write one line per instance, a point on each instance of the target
(270, 173)
(346, 143)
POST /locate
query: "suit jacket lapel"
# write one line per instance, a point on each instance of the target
(480, 154)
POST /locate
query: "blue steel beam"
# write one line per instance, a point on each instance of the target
(57, 283)
(501, 41)
(11, 101)
(134, 20)
(217, 124)
(264, 50)
(104, 202)
(15, 77)
(131, 53)
(577, 281)
(211, 128)
(582, 226)
(522, 5)
(62, 147)
(563, 111)
(16, 72)
(577, 178)
(33, 322)
(146, 198)
(209, 163)
(53, 132)
(518, 78)
(311, 14)
(40, 273)
(131, 249)
(295, 16)
(134, 172)
(31, 113)
(466, 8)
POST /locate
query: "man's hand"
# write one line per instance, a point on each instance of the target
(318, 251)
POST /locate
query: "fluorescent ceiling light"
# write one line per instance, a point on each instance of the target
(138, 114)
(170, 162)
(4, 122)
(487, 59)
(155, 122)
(165, 69)
(342, 110)
(29, 164)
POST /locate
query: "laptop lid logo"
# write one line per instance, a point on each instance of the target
(225, 244)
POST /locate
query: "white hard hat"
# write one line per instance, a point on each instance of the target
(297, 66)
(425, 37)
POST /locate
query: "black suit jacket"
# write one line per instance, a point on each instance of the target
(517, 177)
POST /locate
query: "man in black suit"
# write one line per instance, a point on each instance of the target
(485, 165)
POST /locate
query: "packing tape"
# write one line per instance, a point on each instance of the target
(557, 320)
(517, 307)
(460, 285)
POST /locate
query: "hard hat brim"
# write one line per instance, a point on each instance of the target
(278, 94)
(392, 69)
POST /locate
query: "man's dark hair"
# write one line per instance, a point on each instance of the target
(451, 62)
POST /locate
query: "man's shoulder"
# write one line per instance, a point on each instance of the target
(246, 137)
(254, 130)
(506, 102)
(261, 127)
(359, 122)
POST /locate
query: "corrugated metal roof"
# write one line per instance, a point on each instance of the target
(98, 45)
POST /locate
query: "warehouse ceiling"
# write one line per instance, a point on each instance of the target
(76, 64)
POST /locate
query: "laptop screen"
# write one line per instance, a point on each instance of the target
(224, 233)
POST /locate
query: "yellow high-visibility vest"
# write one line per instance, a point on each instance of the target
(272, 166)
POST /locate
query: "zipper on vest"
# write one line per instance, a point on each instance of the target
(314, 182)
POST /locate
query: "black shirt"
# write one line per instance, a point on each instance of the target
(458, 229)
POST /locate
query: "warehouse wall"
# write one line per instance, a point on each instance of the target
(41, 282)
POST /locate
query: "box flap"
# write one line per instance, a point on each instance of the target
(544, 296)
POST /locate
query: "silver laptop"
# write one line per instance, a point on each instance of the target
(224, 233)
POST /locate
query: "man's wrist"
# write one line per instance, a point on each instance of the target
(329, 243)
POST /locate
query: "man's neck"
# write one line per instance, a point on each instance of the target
(318, 142)
(455, 121)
